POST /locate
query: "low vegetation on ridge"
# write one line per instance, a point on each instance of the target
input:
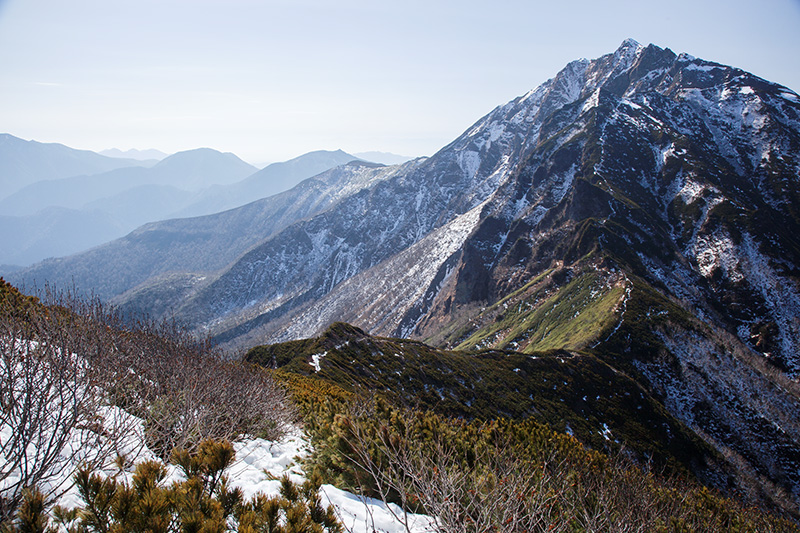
(571, 392)
(500, 475)
(399, 420)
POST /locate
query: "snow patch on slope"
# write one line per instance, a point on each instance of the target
(258, 468)
(470, 163)
(717, 250)
(315, 360)
(781, 296)
(691, 191)
(731, 113)
(744, 263)
(592, 101)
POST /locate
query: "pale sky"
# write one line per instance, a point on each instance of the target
(270, 80)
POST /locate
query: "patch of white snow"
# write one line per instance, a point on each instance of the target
(315, 359)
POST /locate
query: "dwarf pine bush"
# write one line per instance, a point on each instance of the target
(203, 502)
(506, 475)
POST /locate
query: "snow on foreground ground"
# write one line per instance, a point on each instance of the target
(47, 449)
(357, 514)
(258, 466)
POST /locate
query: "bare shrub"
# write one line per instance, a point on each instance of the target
(183, 388)
(485, 488)
(71, 374)
(186, 391)
(494, 477)
(53, 413)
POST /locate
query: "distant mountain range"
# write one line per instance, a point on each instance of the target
(57, 217)
(62, 216)
(189, 171)
(24, 162)
(272, 179)
(176, 254)
(638, 211)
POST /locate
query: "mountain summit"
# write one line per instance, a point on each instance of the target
(657, 156)
(641, 207)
